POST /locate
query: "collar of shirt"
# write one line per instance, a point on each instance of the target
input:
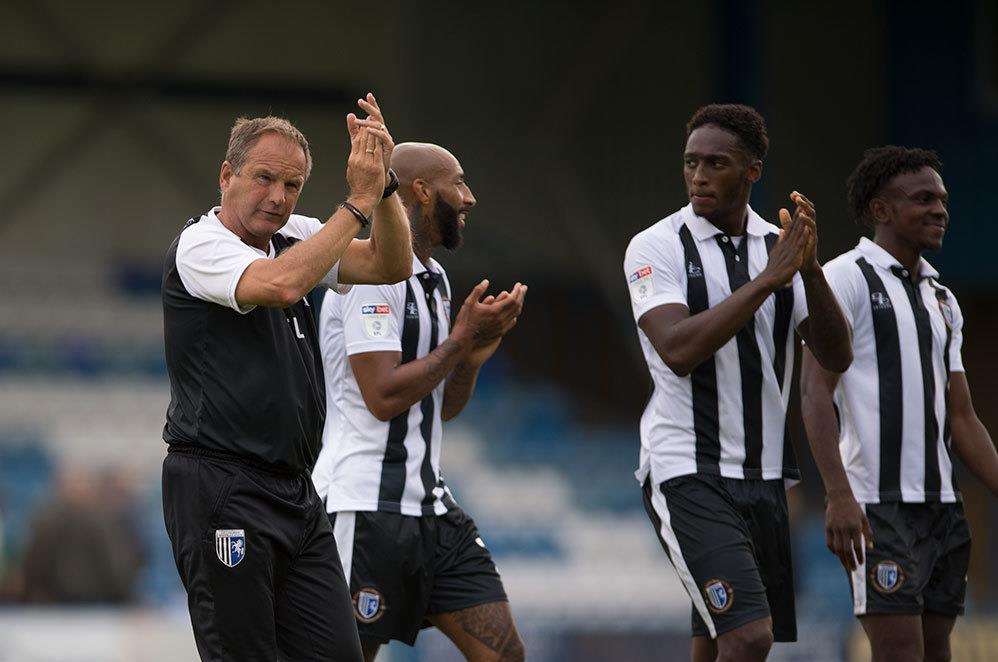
(703, 229)
(878, 256)
(418, 267)
(212, 216)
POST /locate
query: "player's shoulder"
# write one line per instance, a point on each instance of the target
(845, 264)
(204, 231)
(300, 227)
(658, 237)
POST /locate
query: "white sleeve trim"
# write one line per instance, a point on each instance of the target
(394, 345)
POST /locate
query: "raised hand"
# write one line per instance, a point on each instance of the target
(375, 120)
(804, 212)
(365, 171)
(789, 253)
(487, 320)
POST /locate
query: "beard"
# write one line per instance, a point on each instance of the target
(445, 217)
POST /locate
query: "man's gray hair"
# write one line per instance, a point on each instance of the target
(246, 131)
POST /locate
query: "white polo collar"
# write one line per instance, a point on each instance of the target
(703, 229)
(877, 255)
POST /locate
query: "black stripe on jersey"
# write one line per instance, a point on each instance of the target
(749, 360)
(885, 330)
(427, 405)
(923, 326)
(393, 465)
(942, 296)
(782, 320)
(706, 422)
(782, 317)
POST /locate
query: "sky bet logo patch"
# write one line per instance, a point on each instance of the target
(641, 284)
(376, 318)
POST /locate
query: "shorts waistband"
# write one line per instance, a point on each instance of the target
(226, 456)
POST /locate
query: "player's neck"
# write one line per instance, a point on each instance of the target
(732, 223)
(422, 246)
(233, 225)
(904, 252)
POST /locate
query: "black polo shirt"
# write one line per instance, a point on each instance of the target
(248, 380)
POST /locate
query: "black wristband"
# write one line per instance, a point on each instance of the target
(358, 214)
(393, 184)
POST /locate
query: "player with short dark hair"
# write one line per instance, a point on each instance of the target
(252, 543)
(717, 294)
(883, 433)
(396, 370)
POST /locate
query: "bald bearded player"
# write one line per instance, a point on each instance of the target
(395, 369)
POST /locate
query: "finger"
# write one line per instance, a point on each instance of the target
(867, 532)
(357, 143)
(372, 110)
(802, 200)
(857, 546)
(352, 124)
(477, 292)
(369, 122)
(370, 141)
(488, 299)
(784, 218)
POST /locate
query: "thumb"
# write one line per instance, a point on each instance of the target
(351, 124)
(867, 532)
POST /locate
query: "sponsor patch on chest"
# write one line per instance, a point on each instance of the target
(376, 317)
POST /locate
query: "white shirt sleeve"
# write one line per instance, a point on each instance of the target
(373, 318)
(210, 262)
(845, 281)
(654, 273)
(956, 342)
(303, 227)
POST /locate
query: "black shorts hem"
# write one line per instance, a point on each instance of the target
(734, 624)
(892, 611)
(458, 605)
(952, 612)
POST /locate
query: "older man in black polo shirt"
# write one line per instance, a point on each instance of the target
(251, 540)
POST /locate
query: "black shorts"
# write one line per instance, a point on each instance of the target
(257, 556)
(729, 540)
(403, 569)
(918, 562)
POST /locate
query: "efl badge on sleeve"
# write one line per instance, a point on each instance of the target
(369, 604)
(230, 546)
(887, 576)
(640, 283)
(720, 595)
(376, 317)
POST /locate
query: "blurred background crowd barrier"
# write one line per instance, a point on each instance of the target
(569, 121)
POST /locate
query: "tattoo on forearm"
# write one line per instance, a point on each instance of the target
(439, 362)
(492, 625)
(459, 387)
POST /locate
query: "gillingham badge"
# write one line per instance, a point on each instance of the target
(368, 604)
(887, 576)
(720, 596)
(230, 546)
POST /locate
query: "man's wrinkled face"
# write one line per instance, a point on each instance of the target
(916, 210)
(263, 194)
(718, 171)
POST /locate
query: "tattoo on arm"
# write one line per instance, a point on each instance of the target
(492, 625)
(439, 362)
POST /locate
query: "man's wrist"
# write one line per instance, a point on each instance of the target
(813, 271)
(840, 494)
(365, 203)
(463, 336)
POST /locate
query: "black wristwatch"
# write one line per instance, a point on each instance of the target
(393, 184)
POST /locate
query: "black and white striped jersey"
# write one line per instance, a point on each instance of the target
(895, 440)
(367, 464)
(729, 416)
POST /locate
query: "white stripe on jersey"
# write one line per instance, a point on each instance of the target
(351, 473)
(881, 398)
(729, 416)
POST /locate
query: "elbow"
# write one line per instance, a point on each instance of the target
(383, 408)
(674, 360)
(399, 272)
(285, 297)
(839, 361)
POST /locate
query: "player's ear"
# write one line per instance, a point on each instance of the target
(880, 211)
(754, 171)
(225, 175)
(421, 191)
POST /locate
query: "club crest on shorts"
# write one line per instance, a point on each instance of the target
(720, 595)
(230, 546)
(887, 576)
(368, 604)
